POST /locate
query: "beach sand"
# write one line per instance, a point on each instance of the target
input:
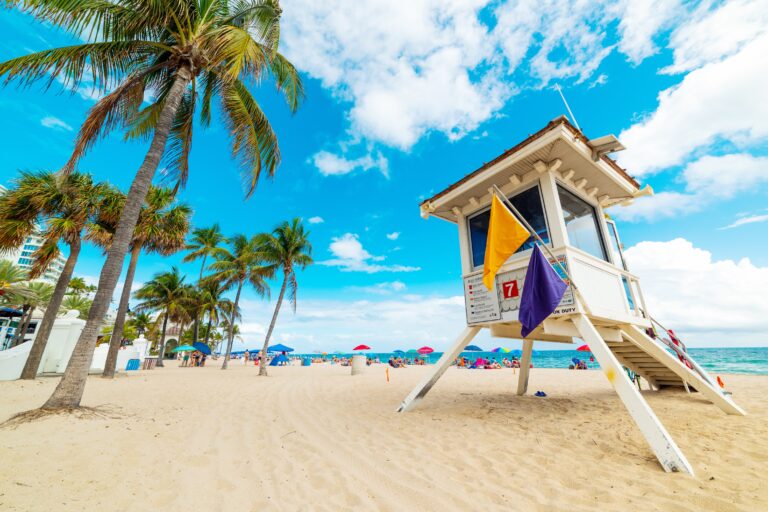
(318, 439)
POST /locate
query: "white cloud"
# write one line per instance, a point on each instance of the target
(402, 322)
(600, 80)
(751, 219)
(351, 256)
(55, 123)
(708, 179)
(640, 21)
(712, 34)
(708, 301)
(393, 236)
(330, 164)
(407, 69)
(719, 101)
(386, 288)
(316, 220)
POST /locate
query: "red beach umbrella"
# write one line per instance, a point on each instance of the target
(583, 348)
(362, 347)
(425, 350)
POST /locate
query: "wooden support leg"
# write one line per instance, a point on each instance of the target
(525, 367)
(445, 361)
(662, 444)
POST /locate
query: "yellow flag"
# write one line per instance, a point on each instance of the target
(505, 236)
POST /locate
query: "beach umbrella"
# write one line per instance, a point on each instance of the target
(362, 347)
(184, 348)
(202, 347)
(398, 351)
(501, 349)
(583, 348)
(471, 348)
(279, 348)
(425, 350)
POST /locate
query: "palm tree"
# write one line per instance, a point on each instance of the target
(39, 297)
(161, 228)
(140, 321)
(172, 48)
(12, 281)
(59, 208)
(236, 267)
(214, 304)
(77, 303)
(78, 286)
(165, 293)
(204, 243)
(287, 247)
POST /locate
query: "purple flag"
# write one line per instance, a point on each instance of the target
(542, 292)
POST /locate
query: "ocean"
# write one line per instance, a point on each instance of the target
(716, 360)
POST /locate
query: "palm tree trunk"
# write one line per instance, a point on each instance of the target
(161, 353)
(231, 335)
(21, 329)
(122, 309)
(262, 365)
(69, 391)
(41, 340)
(208, 330)
(202, 267)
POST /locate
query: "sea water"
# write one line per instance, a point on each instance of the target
(717, 360)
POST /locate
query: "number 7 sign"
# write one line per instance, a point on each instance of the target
(510, 289)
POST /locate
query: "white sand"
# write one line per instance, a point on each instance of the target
(317, 439)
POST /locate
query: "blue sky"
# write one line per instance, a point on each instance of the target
(402, 102)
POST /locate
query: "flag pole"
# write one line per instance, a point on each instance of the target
(538, 239)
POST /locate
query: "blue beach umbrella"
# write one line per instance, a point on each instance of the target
(184, 348)
(202, 347)
(472, 348)
(398, 351)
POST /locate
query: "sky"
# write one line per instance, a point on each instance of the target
(405, 98)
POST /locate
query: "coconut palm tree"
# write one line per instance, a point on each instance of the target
(204, 243)
(186, 53)
(236, 267)
(165, 293)
(214, 304)
(286, 248)
(78, 286)
(140, 321)
(161, 228)
(12, 282)
(58, 208)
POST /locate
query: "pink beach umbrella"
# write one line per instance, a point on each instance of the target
(425, 350)
(362, 347)
(583, 348)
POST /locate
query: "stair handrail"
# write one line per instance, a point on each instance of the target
(680, 352)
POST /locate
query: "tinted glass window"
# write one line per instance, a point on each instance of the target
(528, 203)
(618, 257)
(581, 224)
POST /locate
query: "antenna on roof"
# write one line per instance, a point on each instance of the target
(573, 118)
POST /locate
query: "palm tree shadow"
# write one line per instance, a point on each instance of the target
(106, 411)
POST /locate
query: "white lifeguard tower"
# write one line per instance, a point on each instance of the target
(560, 181)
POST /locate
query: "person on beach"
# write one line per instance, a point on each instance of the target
(203, 357)
(246, 357)
(185, 359)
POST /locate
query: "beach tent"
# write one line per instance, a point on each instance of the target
(279, 348)
(279, 360)
(202, 347)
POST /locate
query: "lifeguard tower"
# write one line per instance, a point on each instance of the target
(560, 182)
